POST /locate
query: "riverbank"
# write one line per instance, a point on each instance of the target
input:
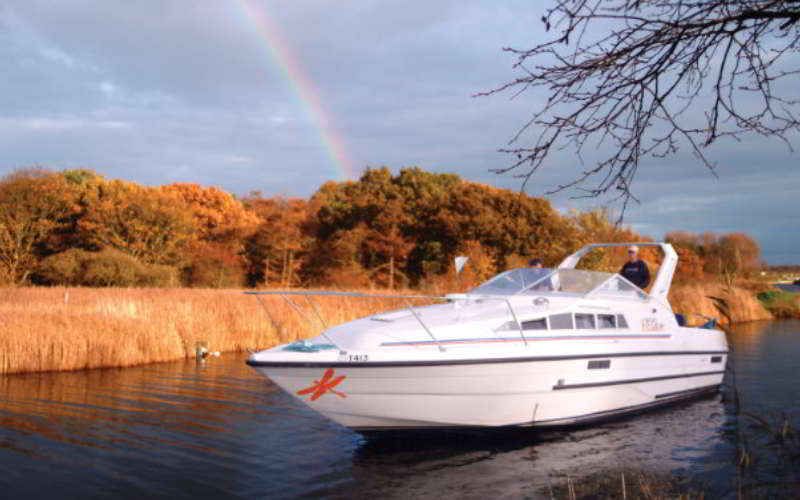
(55, 329)
(694, 302)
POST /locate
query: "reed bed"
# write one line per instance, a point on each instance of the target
(693, 301)
(614, 485)
(49, 329)
(55, 329)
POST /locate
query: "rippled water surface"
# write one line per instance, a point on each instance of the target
(220, 430)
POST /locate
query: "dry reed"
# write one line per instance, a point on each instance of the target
(635, 484)
(693, 300)
(46, 329)
(49, 329)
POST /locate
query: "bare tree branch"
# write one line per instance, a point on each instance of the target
(630, 76)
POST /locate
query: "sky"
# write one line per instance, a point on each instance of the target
(282, 96)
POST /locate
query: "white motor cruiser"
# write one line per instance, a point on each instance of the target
(530, 347)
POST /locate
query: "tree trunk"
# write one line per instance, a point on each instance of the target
(283, 269)
(289, 269)
(391, 272)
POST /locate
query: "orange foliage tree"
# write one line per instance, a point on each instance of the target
(34, 203)
(382, 230)
(277, 249)
(412, 224)
(732, 253)
(152, 225)
(216, 256)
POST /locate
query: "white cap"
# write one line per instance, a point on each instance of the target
(633, 248)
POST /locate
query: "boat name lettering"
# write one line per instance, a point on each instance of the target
(652, 325)
(357, 357)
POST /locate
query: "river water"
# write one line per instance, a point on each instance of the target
(220, 430)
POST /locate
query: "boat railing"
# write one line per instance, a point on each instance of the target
(308, 297)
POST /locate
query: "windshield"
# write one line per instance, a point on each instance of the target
(513, 281)
(538, 280)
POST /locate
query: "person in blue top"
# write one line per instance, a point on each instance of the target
(635, 270)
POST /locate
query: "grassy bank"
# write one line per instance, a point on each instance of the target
(46, 329)
(781, 304)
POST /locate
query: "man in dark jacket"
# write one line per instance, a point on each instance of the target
(635, 270)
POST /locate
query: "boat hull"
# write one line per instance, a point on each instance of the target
(496, 392)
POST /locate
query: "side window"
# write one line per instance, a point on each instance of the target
(606, 321)
(584, 321)
(621, 323)
(534, 324)
(561, 321)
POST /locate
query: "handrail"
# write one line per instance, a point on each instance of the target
(307, 294)
(424, 326)
(296, 309)
(513, 315)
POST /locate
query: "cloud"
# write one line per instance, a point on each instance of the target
(60, 124)
(159, 91)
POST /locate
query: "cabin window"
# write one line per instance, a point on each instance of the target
(621, 323)
(535, 324)
(584, 321)
(561, 321)
(606, 321)
(716, 359)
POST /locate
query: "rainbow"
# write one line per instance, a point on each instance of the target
(302, 88)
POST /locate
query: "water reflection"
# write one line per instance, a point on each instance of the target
(175, 430)
(686, 438)
(182, 430)
(765, 357)
(765, 379)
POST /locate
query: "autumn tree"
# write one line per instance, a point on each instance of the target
(507, 224)
(219, 216)
(34, 204)
(632, 79)
(386, 245)
(150, 224)
(690, 266)
(366, 223)
(415, 222)
(216, 255)
(732, 253)
(740, 253)
(277, 248)
(337, 260)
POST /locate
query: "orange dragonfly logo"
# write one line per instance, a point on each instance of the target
(320, 387)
